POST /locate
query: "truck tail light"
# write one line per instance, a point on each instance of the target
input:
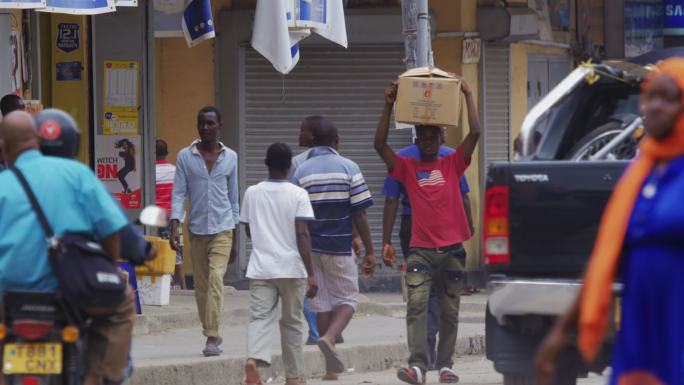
(496, 231)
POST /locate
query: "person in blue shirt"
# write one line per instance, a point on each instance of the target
(207, 175)
(134, 247)
(73, 201)
(394, 192)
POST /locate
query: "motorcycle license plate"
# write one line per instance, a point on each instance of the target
(32, 358)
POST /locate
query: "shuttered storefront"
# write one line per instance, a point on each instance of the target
(497, 103)
(345, 85)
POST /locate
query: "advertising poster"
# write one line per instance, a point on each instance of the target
(118, 166)
(120, 99)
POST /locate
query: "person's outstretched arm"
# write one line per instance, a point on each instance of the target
(470, 141)
(382, 132)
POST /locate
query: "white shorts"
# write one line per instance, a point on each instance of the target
(337, 278)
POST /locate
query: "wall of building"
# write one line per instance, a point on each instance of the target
(519, 55)
(71, 96)
(185, 81)
(454, 17)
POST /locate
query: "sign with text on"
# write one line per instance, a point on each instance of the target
(120, 100)
(674, 18)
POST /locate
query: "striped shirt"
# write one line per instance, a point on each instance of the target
(165, 172)
(336, 189)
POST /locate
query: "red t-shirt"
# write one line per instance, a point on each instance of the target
(439, 219)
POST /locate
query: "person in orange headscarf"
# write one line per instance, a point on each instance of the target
(641, 236)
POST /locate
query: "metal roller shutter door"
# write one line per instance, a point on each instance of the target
(497, 103)
(345, 85)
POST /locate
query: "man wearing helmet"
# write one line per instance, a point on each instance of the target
(90, 210)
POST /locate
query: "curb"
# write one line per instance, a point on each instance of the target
(228, 370)
(163, 323)
(155, 324)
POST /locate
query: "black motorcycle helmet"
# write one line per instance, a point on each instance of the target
(59, 133)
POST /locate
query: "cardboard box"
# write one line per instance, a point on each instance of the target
(428, 95)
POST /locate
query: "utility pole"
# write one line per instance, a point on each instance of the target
(417, 44)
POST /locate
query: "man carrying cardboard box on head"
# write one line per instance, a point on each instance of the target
(439, 221)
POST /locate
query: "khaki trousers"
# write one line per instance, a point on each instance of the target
(263, 308)
(443, 270)
(210, 255)
(109, 338)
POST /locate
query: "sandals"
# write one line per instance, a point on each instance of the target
(447, 376)
(412, 375)
(211, 349)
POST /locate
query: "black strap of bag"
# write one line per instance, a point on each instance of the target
(34, 202)
(86, 274)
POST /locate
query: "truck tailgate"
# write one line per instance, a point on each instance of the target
(554, 212)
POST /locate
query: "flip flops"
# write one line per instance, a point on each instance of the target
(211, 349)
(332, 361)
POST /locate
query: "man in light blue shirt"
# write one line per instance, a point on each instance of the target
(206, 172)
(73, 201)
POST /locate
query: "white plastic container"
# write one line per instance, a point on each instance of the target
(154, 289)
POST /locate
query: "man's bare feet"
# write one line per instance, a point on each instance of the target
(332, 361)
(330, 376)
(251, 373)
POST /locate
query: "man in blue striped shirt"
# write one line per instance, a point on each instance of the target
(339, 197)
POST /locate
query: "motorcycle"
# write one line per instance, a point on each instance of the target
(43, 337)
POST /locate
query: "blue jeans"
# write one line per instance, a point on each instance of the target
(311, 320)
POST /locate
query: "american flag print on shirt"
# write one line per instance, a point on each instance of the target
(432, 178)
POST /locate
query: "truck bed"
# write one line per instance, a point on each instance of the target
(554, 211)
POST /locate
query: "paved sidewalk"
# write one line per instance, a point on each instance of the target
(471, 370)
(374, 341)
(182, 311)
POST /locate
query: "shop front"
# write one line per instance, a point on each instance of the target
(89, 59)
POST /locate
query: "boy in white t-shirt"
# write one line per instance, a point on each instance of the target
(276, 215)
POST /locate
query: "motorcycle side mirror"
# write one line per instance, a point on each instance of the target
(154, 216)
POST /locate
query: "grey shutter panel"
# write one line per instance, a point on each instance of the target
(345, 85)
(497, 103)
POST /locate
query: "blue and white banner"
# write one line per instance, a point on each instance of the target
(79, 7)
(335, 28)
(197, 22)
(21, 4)
(674, 18)
(271, 36)
(279, 26)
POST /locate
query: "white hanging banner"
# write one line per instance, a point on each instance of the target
(279, 26)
